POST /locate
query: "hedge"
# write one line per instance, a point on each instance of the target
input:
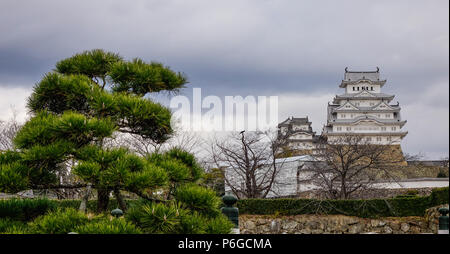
(25, 209)
(370, 208)
(91, 204)
(28, 209)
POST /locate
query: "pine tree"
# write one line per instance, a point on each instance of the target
(87, 98)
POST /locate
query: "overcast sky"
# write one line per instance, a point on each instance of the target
(294, 49)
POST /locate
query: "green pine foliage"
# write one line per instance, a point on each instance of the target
(118, 168)
(93, 64)
(58, 93)
(155, 218)
(197, 224)
(45, 143)
(143, 117)
(140, 77)
(180, 165)
(8, 226)
(13, 177)
(172, 218)
(46, 129)
(85, 100)
(218, 225)
(199, 199)
(61, 221)
(188, 159)
(25, 209)
(192, 224)
(12, 172)
(108, 226)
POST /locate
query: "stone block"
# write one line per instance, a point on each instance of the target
(404, 227)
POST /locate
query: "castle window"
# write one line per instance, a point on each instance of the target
(383, 128)
(371, 88)
(358, 88)
(353, 88)
(393, 128)
(388, 115)
(368, 139)
(339, 128)
(378, 138)
(349, 128)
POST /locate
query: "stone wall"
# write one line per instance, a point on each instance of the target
(338, 224)
(432, 217)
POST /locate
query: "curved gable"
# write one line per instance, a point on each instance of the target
(346, 106)
(383, 106)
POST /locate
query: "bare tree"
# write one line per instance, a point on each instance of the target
(351, 164)
(8, 130)
(188, 141)
(249, 160)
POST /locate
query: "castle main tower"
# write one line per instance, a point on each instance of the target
(364, 110)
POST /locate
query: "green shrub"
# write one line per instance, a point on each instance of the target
(155, 218)
(192, 224)
(405, 196)
(219, 225)
(106, 226)
(412, 192)
(61, 221)
(7, 225)
(198, 224)
(25, 209)
(439, 196)
(17, 229)
(91, 204)
(441, 174)
(402, 206)
(171, 219)
(199, 199)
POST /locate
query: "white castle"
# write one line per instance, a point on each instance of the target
(361, 110)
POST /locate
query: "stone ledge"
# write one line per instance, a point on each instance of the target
(339, 224)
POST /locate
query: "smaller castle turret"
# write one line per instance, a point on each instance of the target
(297, 135)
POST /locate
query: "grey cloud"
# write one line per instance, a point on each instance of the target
(260, 37)
(257, 47)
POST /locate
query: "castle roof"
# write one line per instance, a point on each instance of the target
(351, 77)
(358, 75)
(328, 132)
(295, 120)
(364, 95)
(354, 108)
(367, 118)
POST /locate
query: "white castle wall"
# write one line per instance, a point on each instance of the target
(289, 183)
